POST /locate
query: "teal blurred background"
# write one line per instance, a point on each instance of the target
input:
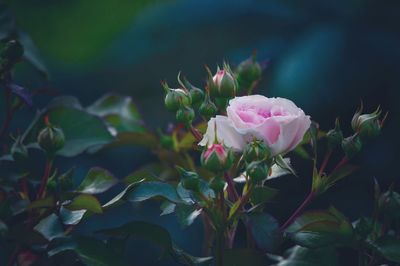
(324, 55)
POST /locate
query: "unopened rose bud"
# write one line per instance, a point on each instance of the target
(334, 136)
(217, 158)
(223, 84)
(185, 115)
(196, 94)
(207, 109)
(256, 151)
(176, 98)
(248, 72)
(51, 139)
(367, 126)
(257, 171)
(351, 146)
(19, 151)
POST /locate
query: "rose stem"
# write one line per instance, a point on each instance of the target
(325, 162)
(232, 193)
(196, 133)
(299, 210)
(344, 160)
(45, 178)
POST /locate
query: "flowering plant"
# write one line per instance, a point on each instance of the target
(216, 165)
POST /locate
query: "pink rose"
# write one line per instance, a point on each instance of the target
(277, 121)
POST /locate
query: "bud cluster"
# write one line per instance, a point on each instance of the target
(258, 159)
(365, 127)
(219, 89)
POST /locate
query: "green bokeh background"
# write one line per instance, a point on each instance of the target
(324, 55)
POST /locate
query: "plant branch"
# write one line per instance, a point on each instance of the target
(299, 210)
(196, 133)
(232, 192)
(45, 178)
(325, 162)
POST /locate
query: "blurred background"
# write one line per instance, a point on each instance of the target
(326, 56)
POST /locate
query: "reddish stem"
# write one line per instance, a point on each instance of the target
(299, 210)
(196, 133)
(45, 178)
(341, 163)
(325, 162)
(232, 193)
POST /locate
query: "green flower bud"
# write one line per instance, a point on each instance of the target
(190, 180)
(367, 126)
(19, 152)
(351, 146)
(257, 171)
(248, 73)
(217, 158)
(208, 109)
(176, 98)
(334, 136)
(217, 184)
(51, 139)
(185, 115)
(256, 151)
(223, 84)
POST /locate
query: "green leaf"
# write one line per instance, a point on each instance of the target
(97, 181)
(146, 172)
(261, 195)
(265, 230)
(244, 257)
(299, 256)
(118, 198)
(148, 190)
(93, 252)
(388, 247)
(147, 140)
(156, 235)
(119, 112)
(50, 227)
(43, 203)
(85, 202)
(71, 217)
(316, 229)
(81, 129)
(186, 214)
(281, 162)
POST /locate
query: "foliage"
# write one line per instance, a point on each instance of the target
(226, 188)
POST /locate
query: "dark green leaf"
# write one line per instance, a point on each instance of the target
(263, 195)
(281, 162)
(299, 256)
(244, 257)
(85, 202)
(97, 181)
(50, 227)
(95, 252)
(265, 230)
(148, 190)
(186, 214)
(388, 247)
(157, 235)
(119, 112)
(71, 217)
(117, 199)
(315, 229)
(81, 129)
